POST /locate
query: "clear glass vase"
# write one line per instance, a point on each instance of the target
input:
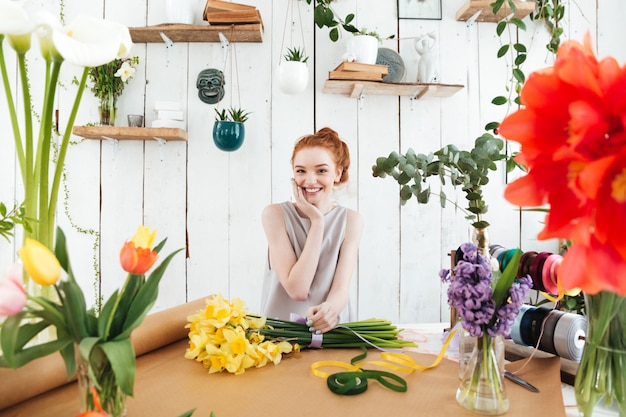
(107, 110)
(482, 388)
(99, 386)
(600, 384)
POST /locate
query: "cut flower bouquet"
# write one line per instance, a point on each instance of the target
(97, 341)
(572, 132)
(487, 305)
(224, 337)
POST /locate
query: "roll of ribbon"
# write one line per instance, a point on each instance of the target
(547, 278)
(569, 336)
(536, 269)
(516, 334)
(546, 343)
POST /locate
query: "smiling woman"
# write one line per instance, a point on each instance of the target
(312, 242)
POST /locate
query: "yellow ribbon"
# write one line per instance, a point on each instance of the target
(399, 362)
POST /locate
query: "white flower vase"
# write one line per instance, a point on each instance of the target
(292, 76)
(362, 49)
(181, 11)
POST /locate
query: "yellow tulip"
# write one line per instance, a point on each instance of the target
(40, 263)
(144, 237)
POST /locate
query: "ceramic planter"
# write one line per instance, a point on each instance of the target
(228, 136)
(292, 76)
(363, 48)
(181, 11)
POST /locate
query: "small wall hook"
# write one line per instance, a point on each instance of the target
(168, 44)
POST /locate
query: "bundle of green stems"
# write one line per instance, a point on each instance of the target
(370, 333)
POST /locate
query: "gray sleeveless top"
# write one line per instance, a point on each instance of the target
(275, 302)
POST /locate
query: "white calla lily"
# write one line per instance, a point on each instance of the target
(87, 42)
(90, 42)
(14, 20)
(47, 24)
(16, 25)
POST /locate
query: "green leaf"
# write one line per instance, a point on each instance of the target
(519, 23)
(503, 50)
(520, 59)
(519, 75)
(74, 309)
(498, 101)
(492, 125)
(121, 355)
(500, 27)
(520, 47)
(60, 251)
(334, 34)
(501, 289)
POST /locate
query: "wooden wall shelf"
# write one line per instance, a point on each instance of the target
(357, 89)
(524, 8)
(129, 133)
(198, 33)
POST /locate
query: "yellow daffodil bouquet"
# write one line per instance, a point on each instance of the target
(224, 337)
(100, 340)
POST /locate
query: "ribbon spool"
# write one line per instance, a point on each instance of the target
(552, 331)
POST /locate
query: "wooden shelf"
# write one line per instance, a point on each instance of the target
(129, 133)
(524, 8)
(356, 89)
(198, 33)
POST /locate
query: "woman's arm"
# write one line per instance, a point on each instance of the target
(295, 274)
(325, 316)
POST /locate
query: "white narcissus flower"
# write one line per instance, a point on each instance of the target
(125, 72)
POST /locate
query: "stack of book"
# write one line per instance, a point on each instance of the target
(218, 12)
(357, 71)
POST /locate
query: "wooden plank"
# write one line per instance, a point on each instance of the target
(236, 18)
(357, 66)
(355, 75)
(198, 33)
(381, 88)
(220, 6)
(129, 133)
(524, 8)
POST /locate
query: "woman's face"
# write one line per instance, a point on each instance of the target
(316, 173)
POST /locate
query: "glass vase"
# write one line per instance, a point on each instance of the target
(600, 384)
(480, 237)
(482, 385)
(107, 110)
(101, 383)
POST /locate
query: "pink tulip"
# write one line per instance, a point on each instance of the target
(12, 293)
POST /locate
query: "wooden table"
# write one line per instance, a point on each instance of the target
(167, 384)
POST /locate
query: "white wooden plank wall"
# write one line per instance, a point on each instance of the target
(209, 202)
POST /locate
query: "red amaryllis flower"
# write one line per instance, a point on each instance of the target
(572, 132)
(137, 256)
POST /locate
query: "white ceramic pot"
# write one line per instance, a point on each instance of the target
(181, 11)
(292, 76)
(362, 48)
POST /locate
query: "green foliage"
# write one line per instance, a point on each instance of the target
(324, 16)
(8, 220)
(551, 12)
(104, 81)
(295, 54)
(233, 114)
(466, 169)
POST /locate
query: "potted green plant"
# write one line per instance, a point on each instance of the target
(292, 73)
(229, 130)
(107, 85)
(362, 47)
